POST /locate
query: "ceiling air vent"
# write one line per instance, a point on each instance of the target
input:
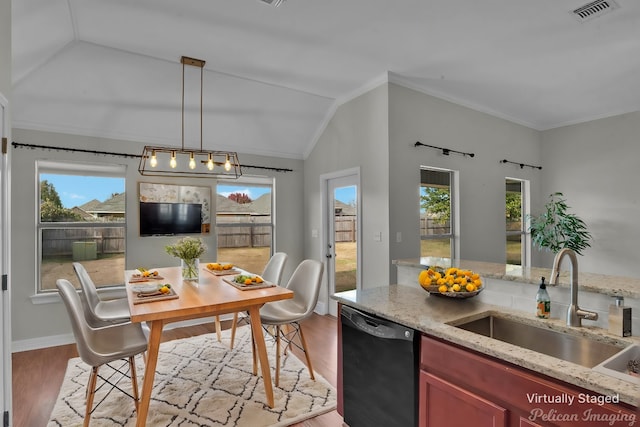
(594, 9)
(274, 3)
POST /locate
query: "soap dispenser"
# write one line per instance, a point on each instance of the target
(543, 302)
(620, 318)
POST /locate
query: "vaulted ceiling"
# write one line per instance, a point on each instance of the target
(274, 76)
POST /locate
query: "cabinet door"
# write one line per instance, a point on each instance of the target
(443, 404)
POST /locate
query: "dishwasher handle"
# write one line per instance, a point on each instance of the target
(374, 325)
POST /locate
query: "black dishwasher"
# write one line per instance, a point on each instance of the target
(379, 371)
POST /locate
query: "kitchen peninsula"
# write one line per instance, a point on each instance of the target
(435, 318)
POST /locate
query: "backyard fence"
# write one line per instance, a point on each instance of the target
(244, 232)
(58, 242)
(345, 228)
(429, 226)
(232, 232)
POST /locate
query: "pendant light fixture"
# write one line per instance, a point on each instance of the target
(188, 162)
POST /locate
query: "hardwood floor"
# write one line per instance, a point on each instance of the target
(38, 374)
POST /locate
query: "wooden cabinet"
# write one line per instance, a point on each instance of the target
(460, 387)
(445, 404)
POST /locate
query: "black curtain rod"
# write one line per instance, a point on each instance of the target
(445, 151)
(74, 150)
(522, 165)
(126, 155)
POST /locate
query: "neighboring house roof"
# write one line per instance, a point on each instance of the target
(113, 205)
(224, 205)
(90, 205)
(83, 214)
(262, 205)
(344, 208)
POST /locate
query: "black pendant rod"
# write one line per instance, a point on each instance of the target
(126, 155)
(522, 165)
(445, 151)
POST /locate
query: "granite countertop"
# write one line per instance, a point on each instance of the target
(589, 282)
(435, 315)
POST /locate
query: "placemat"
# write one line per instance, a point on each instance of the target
(244, 287)
(224, 272)
(140, 300)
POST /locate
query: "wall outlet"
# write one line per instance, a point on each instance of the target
(399, 237)
(377, 236)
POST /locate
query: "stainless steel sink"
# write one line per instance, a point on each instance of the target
(618, 365)
(581, 350)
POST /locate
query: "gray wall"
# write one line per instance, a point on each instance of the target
(47, 321)
(415, 116)
(592, 163)
(595, 165)
(355, 136)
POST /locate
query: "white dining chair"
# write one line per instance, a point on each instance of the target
(97, 310)
(272, 273)
(103, 346)
(305, 283)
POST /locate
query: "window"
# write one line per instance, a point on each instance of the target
(81, 217)
(245, 222)
(515, 212)
(436, 213)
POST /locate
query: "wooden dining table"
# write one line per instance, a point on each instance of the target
(209, 296)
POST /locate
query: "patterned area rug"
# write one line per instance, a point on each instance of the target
(201, 382)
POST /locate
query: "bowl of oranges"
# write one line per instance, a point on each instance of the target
(451, 282)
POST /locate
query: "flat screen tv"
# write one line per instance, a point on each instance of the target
(165, 219)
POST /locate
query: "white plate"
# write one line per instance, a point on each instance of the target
(146, 287)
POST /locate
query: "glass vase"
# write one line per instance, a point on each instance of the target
(190, 269)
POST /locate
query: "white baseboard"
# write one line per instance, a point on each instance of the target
(42, 342)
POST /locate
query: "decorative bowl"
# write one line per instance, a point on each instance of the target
(454, 280)
(433, 290)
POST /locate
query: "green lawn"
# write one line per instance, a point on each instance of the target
(441, 249)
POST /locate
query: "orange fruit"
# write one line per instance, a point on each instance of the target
(247, 281)
(471, 287)
(424, 277)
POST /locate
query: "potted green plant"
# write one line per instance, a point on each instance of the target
(189, 251)
(556, 228)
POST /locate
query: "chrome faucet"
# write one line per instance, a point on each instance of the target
(574, 314)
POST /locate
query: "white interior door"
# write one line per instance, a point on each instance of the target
(5, 296)
(341, 234)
